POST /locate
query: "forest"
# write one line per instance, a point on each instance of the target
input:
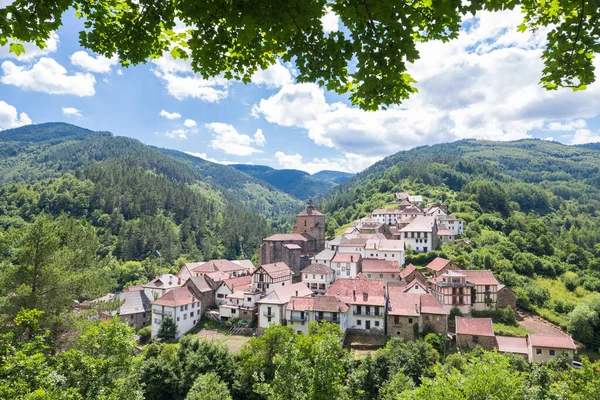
(531, 210)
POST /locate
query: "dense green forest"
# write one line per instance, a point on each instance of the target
(297, 183)
(280, 365)
(532, 213)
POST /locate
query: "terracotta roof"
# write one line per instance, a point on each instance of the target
(411, 210)
(176, 297)
(282, 237)
(431, 305)
(217, 276)
(165, 281)
(309, 210)
(318, 303)
(400, 303)
(438, 264)
(450, 218)
(354, 242)
(480, 277)
(474, 326)
(317, 269)
(241, 282)
(508, 344)
(557, 342)
(283, 294)
(384, 211)
(373, 265)
(410, 285)
(391, 245)
(346, 257)
(246, 264)
(443, 231)
(215, 266)
(359, 291)
(407, 271)
(133, 288)
(275, 270)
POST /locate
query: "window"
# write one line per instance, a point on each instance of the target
(305, 276)
(233, 310)
(184, 317)
(249, 298)
(393, 276)
(321, 276)
(348, 272)
(186, 307)
(368, 275)
(410, 320)
(381, 275)
(313, 276)
(397, 332)
(299, 332)
(177, 319)
(376, 323)
(191, 314)
(552, 352)
(338, 271)
(269, 319)
(396, 320)
(358, 322)
(181, 308)
(539, 352)
(475, 339)
(131, 316)
(220, 296)
(393, 255)
(144, 315)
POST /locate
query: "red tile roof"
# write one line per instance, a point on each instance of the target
(474, 326)
(376, 266)
(176, 297)
(431, 305)
(443, 231)
(438, 264)
(406, 304)
(284, 237)
(283, 294)
(275, 270)
(412, 284)
(557, 342)
(346, 257)
(407, 271)
(241, 282)
(483, 277)
(133, 288)
(318, 303)
(359, 291)
(508, 344)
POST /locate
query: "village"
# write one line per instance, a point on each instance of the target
(357, 280)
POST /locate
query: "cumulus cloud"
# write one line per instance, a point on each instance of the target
(275, 76)
(169, 115)
(189, 123)
(204, 156)
(227, 138)
(48, 76)
(99, 64)
(348, 163)
(32, 52)
(582, 136)
(484, 85)
(71, 111)
(182, 83)
(10, 118)
(567, 126)
(179, 133)
(330, 21)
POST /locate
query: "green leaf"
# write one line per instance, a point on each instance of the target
(17, 49)
(522, 27)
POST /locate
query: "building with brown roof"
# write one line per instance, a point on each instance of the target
(545, 348)
(302, 310)
(420, 234)
(346, 265)
(453, 290)
(271, 308)
(179, 304)
(514, 345)
(367, 299)
(160, 285)
(411, 313)
(506, 297)
(217, 269)
(484, 295)
(296, 249)
(410, 273)
(381, 269)
(440, 265)
(472, 332)
(318, 278)
(229, 286)
(268, 277)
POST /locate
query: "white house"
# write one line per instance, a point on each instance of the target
(181, 305)
(318, 277)
(420, 234)
(346, 265)
(353, 244)
(409, 213)
(268, 277)
(217, 270)
(367, 299)
(385, 249)
(161, 285)
(324, 257)
(385, 216)
(229, 286)
(453, 224)
(271, 308)
(302, 310)
(435, 210)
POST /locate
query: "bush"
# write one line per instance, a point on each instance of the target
(570, 280)
(145, 334)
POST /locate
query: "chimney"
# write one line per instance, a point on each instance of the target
(354, 294)
(417, 308)
(296, 293)
(365, 296)
(179, 281)
(351, 258)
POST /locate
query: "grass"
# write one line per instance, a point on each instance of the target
(558, 291)
(342, 229)
(510, 330)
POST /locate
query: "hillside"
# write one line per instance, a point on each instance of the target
(297, 183)
(532, 210)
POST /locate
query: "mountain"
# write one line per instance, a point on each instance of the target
(333, 176)
(297, 183)
(531, 207)
(138, 198)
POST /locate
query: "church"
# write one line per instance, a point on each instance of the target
(296, 249)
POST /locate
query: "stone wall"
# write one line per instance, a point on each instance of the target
(466, 342)
(403, 328)
(437, 323)
(506, 298)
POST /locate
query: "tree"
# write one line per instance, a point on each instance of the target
(368, 58)
(208, 387)
(167, 331)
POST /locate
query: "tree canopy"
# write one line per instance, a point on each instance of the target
(367, 58)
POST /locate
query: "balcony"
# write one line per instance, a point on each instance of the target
(161, 312)
(335, 320)
(363, 312)
(268, 314)
(298, 318)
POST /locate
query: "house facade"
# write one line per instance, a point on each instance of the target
(230, 286)
(545, 348)
(381, 269)
(318, 278)
(408, 314)
(302, 310)
(346, 265)
(484, 294)
(160, 285)
(420, 234)
(452, 289)
(179, 304)
(268, 277)
(473, 332)
(271, 308)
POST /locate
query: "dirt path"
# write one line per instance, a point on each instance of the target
(538, 325)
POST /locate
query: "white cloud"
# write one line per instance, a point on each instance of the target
(227, 138)
(567, 126)
(207, 158)
(189, 123)
(179, 133)
(48, 76)
(71, 111)
(483, 85)
(32, 52)
(5, 3)
(182, 83)
(275, 76)
(9, 118)
(99, 64)
(119, 72)
(582, 136)
(348, 163)
(169, 115)
(330, 21)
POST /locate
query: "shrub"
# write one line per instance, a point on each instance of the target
(145, 334)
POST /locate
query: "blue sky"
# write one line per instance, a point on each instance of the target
(483, 85)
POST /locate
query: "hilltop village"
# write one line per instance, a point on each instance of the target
(357, 280)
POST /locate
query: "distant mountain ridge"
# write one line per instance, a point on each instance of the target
(299, 184)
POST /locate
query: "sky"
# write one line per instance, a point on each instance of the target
(484, 85)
